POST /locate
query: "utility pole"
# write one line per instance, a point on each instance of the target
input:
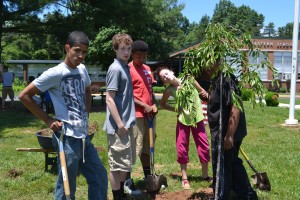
(292, 120)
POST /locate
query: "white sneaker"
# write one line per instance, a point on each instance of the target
(130, 188)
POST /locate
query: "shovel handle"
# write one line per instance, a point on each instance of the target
(150, 120)
(248, 161)
(64, 174)
(63, 164)
(151, 138)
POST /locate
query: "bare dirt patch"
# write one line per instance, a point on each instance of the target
(14, 173)
(201, 194)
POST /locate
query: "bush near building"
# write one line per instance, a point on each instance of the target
(271, 99)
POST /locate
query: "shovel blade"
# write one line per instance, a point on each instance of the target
(261, 181)
(154, 182)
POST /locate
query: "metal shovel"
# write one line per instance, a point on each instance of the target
(153, 182)
(259, 179)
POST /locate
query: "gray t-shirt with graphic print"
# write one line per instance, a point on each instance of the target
(67, 87)
(118, 79)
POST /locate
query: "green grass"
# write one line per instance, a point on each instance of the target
(271, 147)
(287, 101)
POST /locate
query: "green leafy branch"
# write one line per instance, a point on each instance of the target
(230, 49)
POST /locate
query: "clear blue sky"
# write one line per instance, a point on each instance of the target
(280, 12)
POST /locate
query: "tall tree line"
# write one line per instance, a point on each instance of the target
(38, 29)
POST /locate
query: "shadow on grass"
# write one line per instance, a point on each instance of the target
(17, 118)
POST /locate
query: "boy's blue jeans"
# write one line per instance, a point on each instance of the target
(93, 169)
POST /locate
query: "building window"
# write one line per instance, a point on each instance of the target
(263, 72)
(283, 64)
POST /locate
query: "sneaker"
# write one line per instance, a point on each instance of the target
(186, 184)
(130, 188)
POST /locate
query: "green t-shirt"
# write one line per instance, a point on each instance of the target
(196, 114)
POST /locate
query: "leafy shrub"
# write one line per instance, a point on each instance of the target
(246, 94)
(272, 99)
(282, 90)
(159, 89)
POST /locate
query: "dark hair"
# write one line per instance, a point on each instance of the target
(78, 37)
(139, 45)
(5, 67)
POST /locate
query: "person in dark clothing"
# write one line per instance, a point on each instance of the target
(232, 175)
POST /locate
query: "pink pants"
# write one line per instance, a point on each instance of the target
(183, 141)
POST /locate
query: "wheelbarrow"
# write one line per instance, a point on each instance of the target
(259, 179)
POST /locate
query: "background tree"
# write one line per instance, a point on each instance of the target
(269, 30)
(158, 22)
(286, 31)
(242, 18)
(20, 19)
(197, 31)
(100, 50)
(47, 23)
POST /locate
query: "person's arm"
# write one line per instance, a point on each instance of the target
(154, 107)
(110, 95)
(146, 107)
(203, 94)
(26, 97)
(164, 99)
(88, 97)
(234, 117)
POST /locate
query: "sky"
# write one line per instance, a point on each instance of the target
(279, 12)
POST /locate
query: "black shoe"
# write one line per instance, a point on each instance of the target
(130, 188)
(208, 179)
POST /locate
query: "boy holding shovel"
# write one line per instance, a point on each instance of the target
(69, 87)
(145, 104)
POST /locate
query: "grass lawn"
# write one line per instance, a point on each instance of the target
(271, 147)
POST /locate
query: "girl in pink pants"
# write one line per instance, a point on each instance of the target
(187, 121)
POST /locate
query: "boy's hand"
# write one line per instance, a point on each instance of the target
(203, 95)
(228, 142)
(122, 131)
(154, 108)
(55, 125)
(147, 109)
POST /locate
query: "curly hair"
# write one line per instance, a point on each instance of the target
(119, 38)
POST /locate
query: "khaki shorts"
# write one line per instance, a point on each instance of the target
(141, 135)
(121, 152)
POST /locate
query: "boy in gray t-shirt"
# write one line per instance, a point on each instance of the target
(69, 87)
(120, 116)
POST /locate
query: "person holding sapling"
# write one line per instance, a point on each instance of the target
(190, 118)
(219, 50)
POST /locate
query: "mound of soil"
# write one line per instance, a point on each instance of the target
(14, 173)
(46, 132)
(201, 194)
(93, 128)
